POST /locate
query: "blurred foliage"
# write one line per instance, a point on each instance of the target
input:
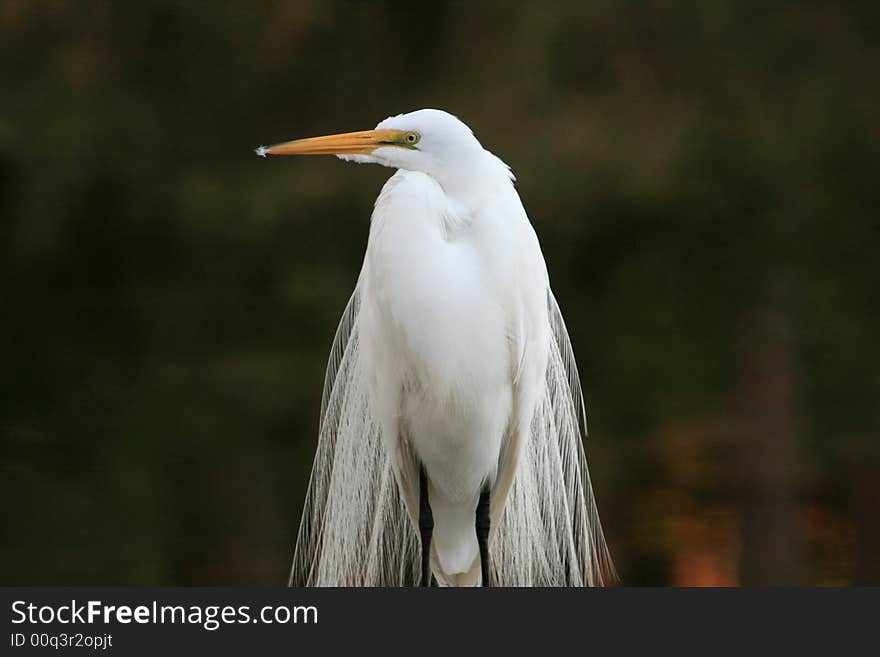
(704, 180)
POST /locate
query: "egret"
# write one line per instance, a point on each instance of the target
(450, 438)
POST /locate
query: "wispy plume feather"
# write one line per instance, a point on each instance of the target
(356, 531)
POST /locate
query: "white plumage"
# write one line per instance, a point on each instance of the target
(452, 354)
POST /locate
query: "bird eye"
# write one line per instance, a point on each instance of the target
(411, 138)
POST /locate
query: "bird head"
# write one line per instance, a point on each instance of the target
(429, 140)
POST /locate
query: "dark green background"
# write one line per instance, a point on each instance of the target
(703, 178)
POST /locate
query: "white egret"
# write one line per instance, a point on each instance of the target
(451, 424)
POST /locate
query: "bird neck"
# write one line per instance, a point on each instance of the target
(470, 182)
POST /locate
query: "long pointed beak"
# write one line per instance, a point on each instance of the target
(362, 142)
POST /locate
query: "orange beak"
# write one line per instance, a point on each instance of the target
(362, 142)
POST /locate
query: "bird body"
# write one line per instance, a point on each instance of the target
(443, 336)
(449, 362)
